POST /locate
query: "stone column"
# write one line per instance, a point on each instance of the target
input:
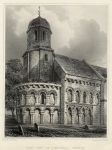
(73, 116)
(88, 98)
(41, 117)
(18, 116)
(37, 100)
(65, 115)
(81, 97)
(74, 97)
(51, 115)
(59, 117)
(27, 99)
(56, 100)
(80, 118)
(32, 117)
(51, 118)
(23, 121)
(65, 118)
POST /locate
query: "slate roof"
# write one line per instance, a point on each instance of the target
(77, 67)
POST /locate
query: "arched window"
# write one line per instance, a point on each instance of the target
(84, 114)
(84, 97)
(91, 98)
(33, 94)
(35, 35)
(44, 35)
(23, 100)
(32, 99)
(70, 95)
(27, 116)
(69, 117)
(46, 57)
(97, 96)
(77, 114)
(90, 116)
(77, 96)
(70, 111)
(83, 110)
(52, 99)
(43, 98)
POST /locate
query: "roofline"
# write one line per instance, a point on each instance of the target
(99, 67)
(36, 28)
(61, 67)
(76, 75)
(96, 72)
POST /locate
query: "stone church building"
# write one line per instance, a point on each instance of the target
(57, 89)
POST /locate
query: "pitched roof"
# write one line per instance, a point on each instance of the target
(76, 67)
(101, 70)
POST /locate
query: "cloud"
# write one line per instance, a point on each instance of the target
(58, 10)
(79, 36)
(88, 42)
(15, 45)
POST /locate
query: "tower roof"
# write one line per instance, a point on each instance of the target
(39, 21)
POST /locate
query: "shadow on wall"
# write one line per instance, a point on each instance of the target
(37, 73)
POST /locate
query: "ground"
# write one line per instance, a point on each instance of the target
(11, 129)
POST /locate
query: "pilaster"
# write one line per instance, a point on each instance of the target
(47, 99)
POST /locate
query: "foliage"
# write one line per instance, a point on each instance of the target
(13, 76)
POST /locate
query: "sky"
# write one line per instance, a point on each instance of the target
(78, 31)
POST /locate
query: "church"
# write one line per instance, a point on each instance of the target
(57, 89)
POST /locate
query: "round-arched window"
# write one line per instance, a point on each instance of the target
(44, 35)
(70, 95)
(77, 96)
(43, 98)
(35, 35)
(97, 98)
(84, 97)
(91, 98)
(52, 99)
(23, 100)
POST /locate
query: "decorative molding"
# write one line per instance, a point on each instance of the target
(82, 82)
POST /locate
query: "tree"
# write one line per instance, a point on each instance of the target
(13, 76)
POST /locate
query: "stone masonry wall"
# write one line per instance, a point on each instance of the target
(35, 43)
(30, 108)
(83, 85)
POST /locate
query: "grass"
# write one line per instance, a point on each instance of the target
(12, 130)
(54, 132)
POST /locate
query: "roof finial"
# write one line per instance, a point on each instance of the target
(39, 11)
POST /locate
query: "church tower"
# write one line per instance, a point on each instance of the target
(39, 56)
